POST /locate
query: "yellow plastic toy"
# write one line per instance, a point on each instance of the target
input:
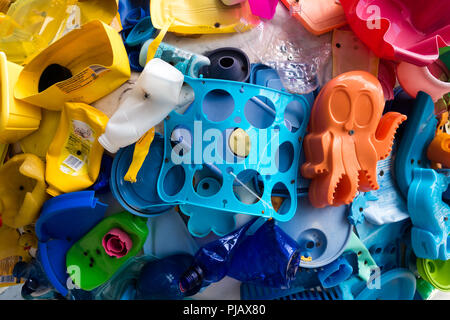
(75, 155)
(30, 26)
(202, 16)
(38, 142)
(17, 118)
(22, 190)
(83, 66)
(15, 245)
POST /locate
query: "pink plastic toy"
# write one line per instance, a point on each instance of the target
(414, 79)
(387, 77)
(401, 30)
(263, 8)
(117, 243)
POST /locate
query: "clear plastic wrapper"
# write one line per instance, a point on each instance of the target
(302, 60)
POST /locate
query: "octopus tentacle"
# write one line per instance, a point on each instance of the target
(385, 133)
(367, 158)
(317, 148)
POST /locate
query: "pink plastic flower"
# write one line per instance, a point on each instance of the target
(117, 243)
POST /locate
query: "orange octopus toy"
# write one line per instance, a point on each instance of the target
(347, 136)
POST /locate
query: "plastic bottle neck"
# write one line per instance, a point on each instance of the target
(191, 279)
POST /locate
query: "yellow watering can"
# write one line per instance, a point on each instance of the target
(22, 190)
(17, 118)
(30, 26)
(83, 66)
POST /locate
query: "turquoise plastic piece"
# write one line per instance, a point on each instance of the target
(420, 130)
(358, 206)
(423, 187)
(385, 242)
(334, 273)
(386, 205)
(141, 32)
(397, 284)
(187, 62)
(220, 105)
(203, 220)
(429, 214)
(159, 245)
(122, 285)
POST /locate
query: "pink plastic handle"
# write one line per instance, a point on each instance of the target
(414, 79)
(117, 243)
(263, 8)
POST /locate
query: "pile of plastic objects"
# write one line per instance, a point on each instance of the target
(139, 159)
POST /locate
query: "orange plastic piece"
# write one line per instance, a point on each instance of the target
(317, 16)
(347, 136)
(439, 149)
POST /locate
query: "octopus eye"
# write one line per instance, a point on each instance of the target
(340, 105)
(364, 107)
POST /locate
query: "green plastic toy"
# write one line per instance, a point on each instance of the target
(88, 263)
(424, 288)
(436, 272)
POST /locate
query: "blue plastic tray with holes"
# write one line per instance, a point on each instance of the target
(219, 108)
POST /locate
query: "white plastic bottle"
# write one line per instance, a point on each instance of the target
(157, 92)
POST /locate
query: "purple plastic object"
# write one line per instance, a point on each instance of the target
(227, 64)
(263, 8)
(401, 30)
(117, 243)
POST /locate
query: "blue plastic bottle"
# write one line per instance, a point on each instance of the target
(212, 260)
(159, 279)
(274, 257)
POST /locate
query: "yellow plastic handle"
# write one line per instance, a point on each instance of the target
(157, 41)
(141, 149)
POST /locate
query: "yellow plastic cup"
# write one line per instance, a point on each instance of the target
(94, 55)
(202, 16)
(17, 118)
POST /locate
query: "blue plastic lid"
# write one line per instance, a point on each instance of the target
(59, 214)
(134, 15)
(52, 256)
(322, 233)
(397, 284)
(63, 221)
(141, 32)
(228, 64)
(140, 198)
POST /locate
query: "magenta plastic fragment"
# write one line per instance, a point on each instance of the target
(117, 243)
